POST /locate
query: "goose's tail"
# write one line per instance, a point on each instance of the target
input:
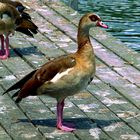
(26, 26)
(19, 86)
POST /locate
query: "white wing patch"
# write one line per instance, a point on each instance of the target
(59, 75)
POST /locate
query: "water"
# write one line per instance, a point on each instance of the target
(122, 16)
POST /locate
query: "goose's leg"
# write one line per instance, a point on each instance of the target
(60, 107)
(5, 51)
(2, 51)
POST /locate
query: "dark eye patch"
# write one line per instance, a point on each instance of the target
(94, 17)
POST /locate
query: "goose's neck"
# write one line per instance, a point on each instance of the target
(82, 37)
(84, 44)
(85, 48)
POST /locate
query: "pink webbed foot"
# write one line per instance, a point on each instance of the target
(3, 54)
(3, 57)
(65, 128)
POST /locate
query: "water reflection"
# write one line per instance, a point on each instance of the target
(123, 17)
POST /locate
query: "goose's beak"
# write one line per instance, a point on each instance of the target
(101, 24)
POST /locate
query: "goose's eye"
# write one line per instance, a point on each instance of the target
(94, 18)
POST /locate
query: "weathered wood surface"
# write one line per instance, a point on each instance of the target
(108, 109)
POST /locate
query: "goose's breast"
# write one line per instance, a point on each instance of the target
(66, 83)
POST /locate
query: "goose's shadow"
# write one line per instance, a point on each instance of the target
(31, 50)
(80, 123)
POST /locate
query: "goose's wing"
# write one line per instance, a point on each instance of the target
(29, 84)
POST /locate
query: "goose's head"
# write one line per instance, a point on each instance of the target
(91, 20)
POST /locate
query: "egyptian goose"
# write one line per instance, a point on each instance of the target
(13, 20)
(65, 75)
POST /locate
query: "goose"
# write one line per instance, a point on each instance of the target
(12, 20)
(64, 76)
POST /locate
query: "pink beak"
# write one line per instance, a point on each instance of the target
(101, 24)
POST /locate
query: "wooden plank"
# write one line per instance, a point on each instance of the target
(132, 57)
(9, 115)
(12, 68)
(53, 35)
(14, 62)
(4, 135)
(7, 77)
(41, 47)
(27, 51)
(126, 89)
(103, 117)
(117, 104)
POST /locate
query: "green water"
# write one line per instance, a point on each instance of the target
(122, 16)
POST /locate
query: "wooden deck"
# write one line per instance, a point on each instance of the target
(108, 109)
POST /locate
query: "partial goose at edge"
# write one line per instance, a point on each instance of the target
(12, 20)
